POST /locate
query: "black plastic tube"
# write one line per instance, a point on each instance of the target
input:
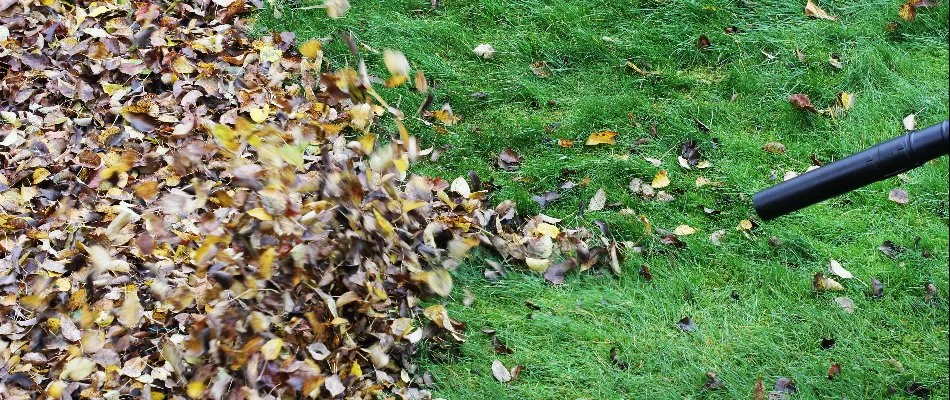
(882, 161)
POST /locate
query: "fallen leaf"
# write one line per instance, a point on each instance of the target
(689, 151)
(845, 100)
(645, 273)
(812, 10)
(555, 273)
(540, 69)
(716, 237)
(77, 369)
(703, 42)
(890, 249)
(836, 269)
(802, 102)
(713, 382)
(930, 292)
(336, 9)
(822, 283)
(271, 349)
(509, 160)
(484, 50)
(597, 202)
(774, 148)
(846, 304)
(602, 137)
(546, 198)
(310, 48)
(684, 230)
(898, 196)
(835, 61)
(500, 372)
(660, 180)
(833, 371)
(499, 347)
(910, 122)
(785, 385)
(686, 324)
(877, 288)
(615, 359)
(758, 391)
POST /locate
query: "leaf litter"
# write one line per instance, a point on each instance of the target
(203, 213)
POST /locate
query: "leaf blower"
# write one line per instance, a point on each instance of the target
(877, 163)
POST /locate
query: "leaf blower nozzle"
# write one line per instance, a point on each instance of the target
(877, 163)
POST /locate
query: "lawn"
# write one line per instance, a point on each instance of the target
(752, 301)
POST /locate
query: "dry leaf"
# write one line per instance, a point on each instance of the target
(836, 269)
(801, 101)
(812, 10)
(660, 180)
(484, 50)
(910, 122)
(597, 202)
(271, 349)
(684, 230)
(602, 137)
(846, 304)
(774, 147)
(499, 371)
(898, 196)
(822, 283)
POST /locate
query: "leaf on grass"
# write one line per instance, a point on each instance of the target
(615, 359)
(689, 151)
(555, 274)
(836, 269)
(877, 288)
(310, 48)
(758, 391)
(890, 249)
(822, 283)
(686, 324)
(645, 273)
(910, 122)
(713, 382)
(336, 9)
(597, 202)
(546, 198)
(801, 101)
(484, 50)
(908, 10)
(845, 101)
(774, 148)
(703, 42)
(716, 237)
(846, 304)
(833, 371)
(684, 230)
(898, 196)
(499, 347)
(660, 180)
(509, 160)
(835, 61)
(812, 10)
(541, 69)
(785, 385)
(602, 137)
(500, 372)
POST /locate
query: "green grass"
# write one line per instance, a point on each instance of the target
(775, 327)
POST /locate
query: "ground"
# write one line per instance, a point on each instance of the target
(738, 88)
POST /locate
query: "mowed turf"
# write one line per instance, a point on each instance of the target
(738, 88)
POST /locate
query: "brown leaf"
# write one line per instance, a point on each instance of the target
(834, 371)
(774, 148)
(555, 273)
(801, 101)
(703, 43)
(758, 391)
(812, 10)
(509, 160)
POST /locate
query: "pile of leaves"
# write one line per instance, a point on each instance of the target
(186, 211)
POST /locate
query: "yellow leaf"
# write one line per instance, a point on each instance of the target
(744, 225)
(77, 369)
(684, 230)
(603, 137)
(845, 100)
(265, 263)
(538, 264)
(310, 48)
(40, 174)
(439, 281)
(226, 136)
(907, 11)
(271, 349)
(260, 214)
(660, 180)
(292, 155)
(548, 230)
(195, 388)
(368, 142)
(812, 10)
(259, 114)
(131, 310)
(384, 225)
(111, 88)
(355, 370)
